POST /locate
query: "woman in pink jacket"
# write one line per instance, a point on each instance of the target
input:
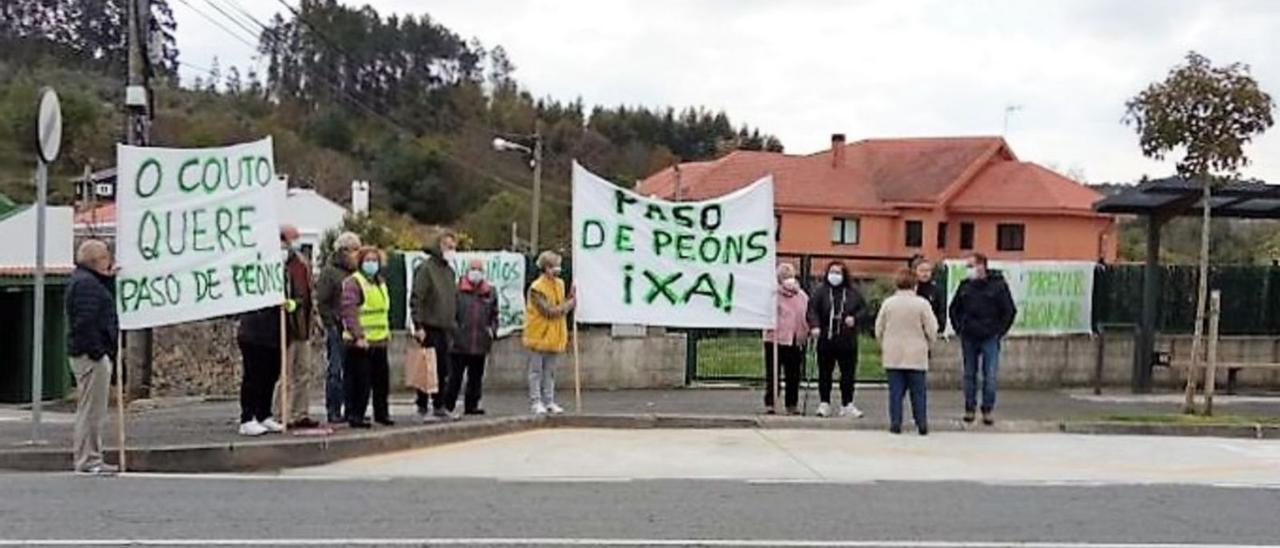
(790, 336)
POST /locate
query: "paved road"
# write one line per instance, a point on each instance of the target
(342, 512)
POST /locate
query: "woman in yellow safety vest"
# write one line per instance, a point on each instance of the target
(546, 332)
(366, 332)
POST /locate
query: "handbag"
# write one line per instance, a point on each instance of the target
(420, 369)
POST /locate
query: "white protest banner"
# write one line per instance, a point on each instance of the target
(197, 233)
(1053, 297)
(502, 269)
(646, 261)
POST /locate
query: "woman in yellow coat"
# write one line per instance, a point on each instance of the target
(546, 332)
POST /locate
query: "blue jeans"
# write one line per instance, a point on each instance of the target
(334, 394)
(902, 381)
(988, 352)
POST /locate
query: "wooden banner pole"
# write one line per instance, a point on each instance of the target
(284, 372)
(577, 370)
(120, 439)
(777, 379)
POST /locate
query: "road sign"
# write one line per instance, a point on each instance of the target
(49, 126)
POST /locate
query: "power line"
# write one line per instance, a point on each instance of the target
(219, 25)
(342, 93)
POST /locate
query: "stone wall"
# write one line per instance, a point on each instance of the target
(203, 359)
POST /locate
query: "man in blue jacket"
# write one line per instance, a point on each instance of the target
(982, 313)
(91, 343)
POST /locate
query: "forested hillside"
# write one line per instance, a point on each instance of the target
(402, 101)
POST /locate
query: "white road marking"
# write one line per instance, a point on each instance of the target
(734, 543)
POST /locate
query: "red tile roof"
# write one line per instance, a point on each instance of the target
(877, 174)
(1024, 186)
(103, 213)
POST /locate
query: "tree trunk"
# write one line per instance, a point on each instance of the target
(1197, 341)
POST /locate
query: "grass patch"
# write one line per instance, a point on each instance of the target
(742, 357)
(1179, 418)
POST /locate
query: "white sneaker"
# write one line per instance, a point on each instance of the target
(252, 428)
(539, 409)
(272, 426)
(824, 410)
(554, 409)
(851, 410)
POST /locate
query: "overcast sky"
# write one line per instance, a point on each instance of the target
(803, 70)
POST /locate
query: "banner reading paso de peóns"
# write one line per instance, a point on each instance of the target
(1053, 297)
(503, 270)
(640, 260)
(197, 234)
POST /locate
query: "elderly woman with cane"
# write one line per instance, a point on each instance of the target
(784, 346)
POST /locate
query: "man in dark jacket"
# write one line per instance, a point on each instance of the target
(930, 291)
(982, 313)
(91, 310)
(836, 310)
(477, 325)
(329, 304)
(259, 338)
(434, 304)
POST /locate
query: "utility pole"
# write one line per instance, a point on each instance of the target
(535, 228)
(138, 133)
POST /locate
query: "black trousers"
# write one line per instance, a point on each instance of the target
(473, 368)
(792, 361)
(829, 356)
(437, 339)
(365, 370)
(261, 371)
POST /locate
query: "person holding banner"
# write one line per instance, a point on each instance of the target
(835, 311)
(435, 311)
(259, 338)
(982, 313)
(91, 343)
(329, 303)
(366, 321)
(546, 332)
(477, 327)
(905, 327)
(786, 341)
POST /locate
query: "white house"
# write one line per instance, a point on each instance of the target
(18, 225)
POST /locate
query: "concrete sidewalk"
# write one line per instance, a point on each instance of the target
(193, 424)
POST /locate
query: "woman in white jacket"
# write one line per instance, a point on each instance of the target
(905, 327)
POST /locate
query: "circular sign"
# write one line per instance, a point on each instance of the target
(49, 126)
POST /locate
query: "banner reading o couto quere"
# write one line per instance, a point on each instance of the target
(640, 260)
(197, 234)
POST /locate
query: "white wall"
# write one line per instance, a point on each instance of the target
(19, 234)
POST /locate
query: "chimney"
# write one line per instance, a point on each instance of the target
(837, 150)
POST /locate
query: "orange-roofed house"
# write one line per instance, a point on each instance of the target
(879, 202)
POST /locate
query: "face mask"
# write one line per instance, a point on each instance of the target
(835, 278)
(296, 246)
(555, 271)
(370, 268)
(449, 255)
(475, 276)
(791, 284)
(972, 274)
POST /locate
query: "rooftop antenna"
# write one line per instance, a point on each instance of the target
(1008, 110)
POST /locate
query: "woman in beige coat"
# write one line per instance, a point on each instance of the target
(905, 327)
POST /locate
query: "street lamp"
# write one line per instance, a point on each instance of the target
(535, 161)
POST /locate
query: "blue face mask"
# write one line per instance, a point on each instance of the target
(370, 268)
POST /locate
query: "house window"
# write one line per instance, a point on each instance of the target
(915, 234)
(942, 235)
(777, 228)
(844, 230)
(966, 236)
(1010, 237)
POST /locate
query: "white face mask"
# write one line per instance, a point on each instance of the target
(835, 277)
(475, 276)
(972, 273)
(791, 284)
(449, 255)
